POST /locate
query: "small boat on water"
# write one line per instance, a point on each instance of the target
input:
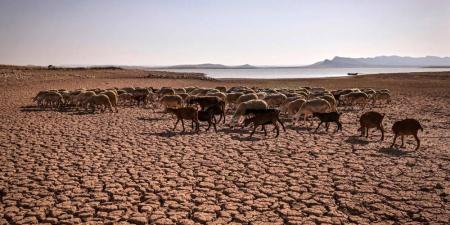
(352, 74)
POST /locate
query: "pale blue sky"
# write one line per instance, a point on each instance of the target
(144, 32)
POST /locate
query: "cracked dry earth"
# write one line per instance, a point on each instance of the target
(128, 167)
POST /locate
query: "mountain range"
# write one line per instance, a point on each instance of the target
(339, 62)
(210, 66)
(384, 61)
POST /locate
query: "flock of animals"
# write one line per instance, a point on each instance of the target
(257, 106)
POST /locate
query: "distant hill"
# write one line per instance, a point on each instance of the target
(209, 66)
(384, 61)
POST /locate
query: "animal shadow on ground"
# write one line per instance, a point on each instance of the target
(150, 108)
(32, 108)
(149, 118)
(356, 140)
(299, 128)
(393, 151)
(78, 113)
(246, 137)
(169, 133)
(235, 130)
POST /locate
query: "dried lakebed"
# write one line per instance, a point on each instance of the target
(129, 167)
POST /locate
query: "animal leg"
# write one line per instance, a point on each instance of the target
(176, 123)
(395, 138)
(220, 118)
(318, 126)
(282, 125)
(277, 128)
(295, 119)
(198, 126)
(224, 116)
(339, 126)
(182, 124)
(215, 129)
(254, 129)
(403, 144)
(418, 141)
(209, 125)
(367, 132)
(382, 131)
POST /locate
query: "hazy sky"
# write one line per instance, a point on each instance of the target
(144, 32)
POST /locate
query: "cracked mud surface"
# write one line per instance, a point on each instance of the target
(129, 167)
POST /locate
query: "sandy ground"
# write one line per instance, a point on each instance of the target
(128, 167)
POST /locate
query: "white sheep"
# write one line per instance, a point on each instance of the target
(126, 97)
(292, 107)
(244, 106)
(179, 90)
(81, 99)
(221, 95)
(355, 98)
(189, 89)
(246, 97)
(39, 98)
(99, 100)
(330, 99)
(212, 90)
(113, 98)
(313, 106)
(128, 89)
(304, 94)
(275, 100)
(381, 96)
(261, 95)
(166, 91)
(221, 88)
(171, 101)
(52, 99)
(233, 97)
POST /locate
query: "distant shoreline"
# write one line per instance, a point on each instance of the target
(292, 73)
(7, 73)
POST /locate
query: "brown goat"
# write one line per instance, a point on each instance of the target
(264, 117)
(188, 113)
(371, 119)
(406, 127)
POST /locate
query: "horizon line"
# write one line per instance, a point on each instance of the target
(229, 65)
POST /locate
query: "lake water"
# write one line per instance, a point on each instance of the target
(283, 73)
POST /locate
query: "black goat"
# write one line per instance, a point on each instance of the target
(219, 109)
(327, 118)
(208, 116)
(203, 101)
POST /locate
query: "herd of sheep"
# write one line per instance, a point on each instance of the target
(257, 106)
